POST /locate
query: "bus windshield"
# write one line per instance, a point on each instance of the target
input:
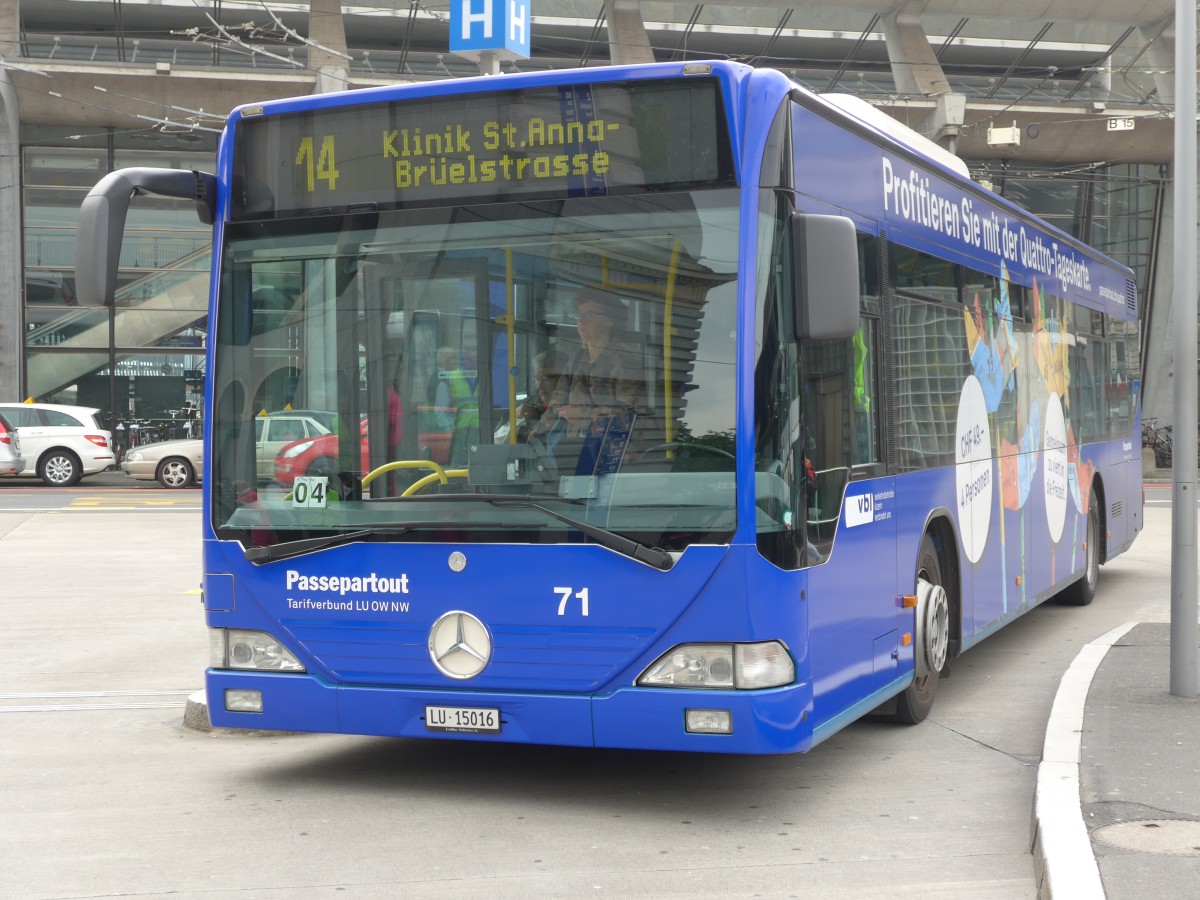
(491, 373)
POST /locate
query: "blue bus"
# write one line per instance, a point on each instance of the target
(669, 407)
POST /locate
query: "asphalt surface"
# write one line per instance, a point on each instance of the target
(106, 792)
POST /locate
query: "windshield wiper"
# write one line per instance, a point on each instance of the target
(653, 556)
(309, 545)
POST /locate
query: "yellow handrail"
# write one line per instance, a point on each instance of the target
(421, 483)
(439, 472)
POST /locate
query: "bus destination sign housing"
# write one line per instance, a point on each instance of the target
(574, 140)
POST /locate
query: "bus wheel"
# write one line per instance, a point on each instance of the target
(1083, 591)
(931, 640)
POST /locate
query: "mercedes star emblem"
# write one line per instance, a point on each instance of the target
(459, 645)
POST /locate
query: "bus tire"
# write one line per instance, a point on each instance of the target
(931, 639)
(1083, 591)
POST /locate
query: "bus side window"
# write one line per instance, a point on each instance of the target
(841, 408)
(1086, 367)
(1123, 369)
(932, 359)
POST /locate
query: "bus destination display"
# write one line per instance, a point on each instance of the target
(576, 140)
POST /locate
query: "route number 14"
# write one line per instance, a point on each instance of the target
(321, 165)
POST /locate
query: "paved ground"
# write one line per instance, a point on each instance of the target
(1117, 812)
(1140, 772)
(103, 792)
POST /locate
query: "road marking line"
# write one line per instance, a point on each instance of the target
(1061, 840)
(88, 707)
(57, 512)
(50, 695)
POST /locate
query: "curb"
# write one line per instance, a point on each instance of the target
(195, 717)
(195, 713)
(1065, 865)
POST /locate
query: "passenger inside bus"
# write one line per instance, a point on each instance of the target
(549, 368)
(457, 395)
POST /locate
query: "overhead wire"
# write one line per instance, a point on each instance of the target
(283, 34)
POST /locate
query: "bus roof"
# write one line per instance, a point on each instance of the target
(860, 109)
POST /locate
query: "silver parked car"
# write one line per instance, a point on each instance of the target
(173, 464)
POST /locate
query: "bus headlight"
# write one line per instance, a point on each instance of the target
(743, 667)
(236, 648)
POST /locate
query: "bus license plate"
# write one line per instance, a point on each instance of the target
(462, 719)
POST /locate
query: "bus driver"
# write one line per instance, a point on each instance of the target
(601, 380)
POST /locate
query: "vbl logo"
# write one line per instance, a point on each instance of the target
(859, 510)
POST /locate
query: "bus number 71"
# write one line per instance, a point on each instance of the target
(565, 593)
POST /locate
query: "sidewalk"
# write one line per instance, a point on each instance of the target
(1117, 812)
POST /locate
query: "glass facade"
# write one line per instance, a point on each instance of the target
(1112, 208)
(145, 358)
(142, 360)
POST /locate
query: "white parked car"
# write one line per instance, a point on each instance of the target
(173, 464)
(61, 444)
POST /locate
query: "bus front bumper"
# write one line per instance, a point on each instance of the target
(768, 721)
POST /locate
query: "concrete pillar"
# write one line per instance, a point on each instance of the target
(1160, 57)
(1158, 368)
(10, 29)
(944, 122)
(915, 67)
(325, 27)
(12, 340)
(12, 344)
(628, 42)
(916, 70)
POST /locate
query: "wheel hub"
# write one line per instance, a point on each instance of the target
(932, 627)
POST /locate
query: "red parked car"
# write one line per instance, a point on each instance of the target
(11, 461)
(318, 455)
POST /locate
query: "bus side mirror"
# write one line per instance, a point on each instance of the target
(102, 222)
(825, 286)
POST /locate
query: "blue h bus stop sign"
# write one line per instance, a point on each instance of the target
(490, 29)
